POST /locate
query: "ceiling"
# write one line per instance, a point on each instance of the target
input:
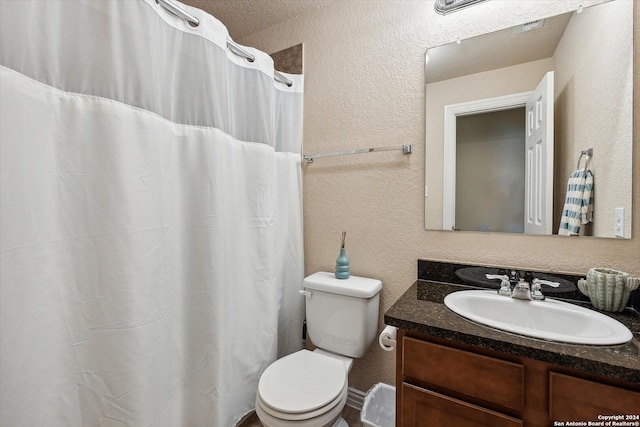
(244, 17)
(498, 49)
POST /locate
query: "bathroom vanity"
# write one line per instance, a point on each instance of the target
(453, 372)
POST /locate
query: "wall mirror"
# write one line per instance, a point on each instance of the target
(511, 116)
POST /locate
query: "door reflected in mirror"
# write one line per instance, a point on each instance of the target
(495, 139)
(481, 176)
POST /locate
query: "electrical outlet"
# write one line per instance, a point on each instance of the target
(619, 225)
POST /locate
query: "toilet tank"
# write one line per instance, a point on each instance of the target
(342, 314)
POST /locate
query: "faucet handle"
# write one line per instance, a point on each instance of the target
(505, 286)
(546, 282)
(536, 290)
(496, 276)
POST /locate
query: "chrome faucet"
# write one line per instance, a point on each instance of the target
(526, 288)
(522, 290)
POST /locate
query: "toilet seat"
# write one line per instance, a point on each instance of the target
(302, 385)
(331, 411)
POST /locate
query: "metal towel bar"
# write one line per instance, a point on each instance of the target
(406, 149)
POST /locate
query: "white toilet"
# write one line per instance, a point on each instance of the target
(309, 388)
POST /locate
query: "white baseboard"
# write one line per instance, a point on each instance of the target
(355, 398)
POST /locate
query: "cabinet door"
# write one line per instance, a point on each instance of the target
(575, 399)
(425, 408)
(483, 378)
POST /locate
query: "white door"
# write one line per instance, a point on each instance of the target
(538, 201)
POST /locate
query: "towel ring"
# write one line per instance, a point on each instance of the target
(588, 153)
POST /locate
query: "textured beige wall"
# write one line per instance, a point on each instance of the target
(364, 87)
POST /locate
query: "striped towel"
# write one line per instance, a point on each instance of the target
(578, 206)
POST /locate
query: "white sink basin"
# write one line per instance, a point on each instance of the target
(549, 319)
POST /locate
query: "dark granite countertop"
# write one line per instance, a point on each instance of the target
(421, 309)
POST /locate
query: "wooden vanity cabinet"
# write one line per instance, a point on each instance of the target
(423, 407)
(574, 398)
(440, 383)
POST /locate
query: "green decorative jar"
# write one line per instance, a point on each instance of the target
(608, 289)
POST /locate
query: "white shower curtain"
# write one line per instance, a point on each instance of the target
(151, 224)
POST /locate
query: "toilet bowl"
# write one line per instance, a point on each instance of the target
(303, 389)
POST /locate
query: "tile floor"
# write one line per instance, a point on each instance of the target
(350, 415)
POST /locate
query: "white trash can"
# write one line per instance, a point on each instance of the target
(379, 408)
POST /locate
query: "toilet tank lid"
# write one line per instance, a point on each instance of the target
(354, 286)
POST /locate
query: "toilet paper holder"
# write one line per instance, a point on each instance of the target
(387, 338)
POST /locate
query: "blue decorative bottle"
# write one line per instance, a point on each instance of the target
(342, 263)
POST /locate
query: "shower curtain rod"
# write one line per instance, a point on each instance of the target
(231, 45)
(406, 149)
